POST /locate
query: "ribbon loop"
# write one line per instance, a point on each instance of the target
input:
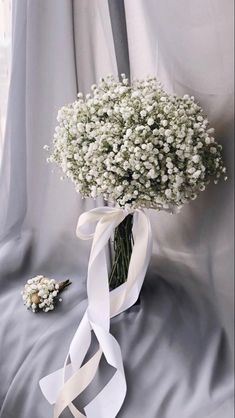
(65, 385)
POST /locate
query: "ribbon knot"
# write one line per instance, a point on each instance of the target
(65, 385)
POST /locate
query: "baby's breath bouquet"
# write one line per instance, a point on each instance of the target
(137, 147)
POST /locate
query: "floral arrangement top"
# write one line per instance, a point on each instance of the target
(136, 145)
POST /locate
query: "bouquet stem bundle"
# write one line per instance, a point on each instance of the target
(122, 249)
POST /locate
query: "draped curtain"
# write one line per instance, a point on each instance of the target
(177, 344)
(5, 51)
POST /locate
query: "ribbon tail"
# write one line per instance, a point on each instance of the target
(65, 385)
(77, 383)
(109, 401)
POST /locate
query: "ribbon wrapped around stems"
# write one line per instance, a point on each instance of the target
(63, 386)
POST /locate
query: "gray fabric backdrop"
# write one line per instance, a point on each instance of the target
(177, 343)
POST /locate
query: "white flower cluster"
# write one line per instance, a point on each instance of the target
(40, 293)
(136, 145)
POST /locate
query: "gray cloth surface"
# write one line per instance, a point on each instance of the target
(177, 343)
(175, 352)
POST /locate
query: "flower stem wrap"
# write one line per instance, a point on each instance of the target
(65, 385)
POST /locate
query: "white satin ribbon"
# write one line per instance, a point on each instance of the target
(65, 385)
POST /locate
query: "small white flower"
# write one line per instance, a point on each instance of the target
(128, 132)
(196, 158)
(143, 113)
(168, 132)
(168, 193)
(196, 174)
(150, 121)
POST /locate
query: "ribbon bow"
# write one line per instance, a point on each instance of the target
(65, 385)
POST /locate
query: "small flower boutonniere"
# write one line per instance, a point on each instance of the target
(41, 293)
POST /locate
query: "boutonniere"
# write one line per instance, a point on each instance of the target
(41, 293)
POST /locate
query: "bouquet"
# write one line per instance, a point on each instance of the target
(137, 147)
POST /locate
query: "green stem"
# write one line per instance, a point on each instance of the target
(122, 246)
